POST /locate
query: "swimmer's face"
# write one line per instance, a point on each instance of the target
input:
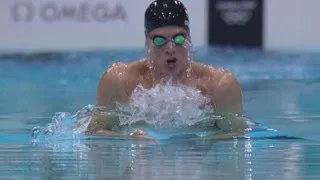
(169, 57)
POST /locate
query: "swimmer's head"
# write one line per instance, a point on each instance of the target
(162, 13)
(168, 36)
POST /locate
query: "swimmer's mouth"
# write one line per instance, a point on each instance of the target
(171, 60)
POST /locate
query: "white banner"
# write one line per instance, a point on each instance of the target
(41, 25)
(292, 25)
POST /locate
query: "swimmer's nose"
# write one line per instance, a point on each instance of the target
(170, 50)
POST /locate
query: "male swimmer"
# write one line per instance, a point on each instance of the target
(167, 39)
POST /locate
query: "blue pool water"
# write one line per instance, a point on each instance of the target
(280, 92)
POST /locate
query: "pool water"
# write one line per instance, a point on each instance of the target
(280, 91)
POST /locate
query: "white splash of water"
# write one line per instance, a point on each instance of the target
(64, 125)
(165, 106)
(162, 107)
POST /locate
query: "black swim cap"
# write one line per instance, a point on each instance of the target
(162, 13)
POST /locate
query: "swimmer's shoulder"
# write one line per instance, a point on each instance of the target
(115, 69)
(223, 87)
(115, 75)
(138, 68)
(121, 69)
(210, 72)
(121, 72)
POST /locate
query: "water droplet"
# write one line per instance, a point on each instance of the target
(34, 133)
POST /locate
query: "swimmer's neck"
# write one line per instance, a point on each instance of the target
(159, 78)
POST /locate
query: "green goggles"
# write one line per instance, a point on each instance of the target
(178, 39)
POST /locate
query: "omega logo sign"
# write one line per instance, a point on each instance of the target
(100, 12)
(236, 13)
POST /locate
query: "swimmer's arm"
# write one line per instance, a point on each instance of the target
(111, 88)
(227, 101)
(109, 91)
(103, 125)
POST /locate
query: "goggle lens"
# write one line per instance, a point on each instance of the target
(177, 39)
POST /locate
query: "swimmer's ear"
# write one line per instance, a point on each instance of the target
(189, 37)
(146, 42)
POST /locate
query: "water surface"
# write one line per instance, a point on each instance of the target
(280, 91)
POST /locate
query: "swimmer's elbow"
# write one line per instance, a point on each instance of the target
(105, 133)
(232, 125)
(93, 127)
(100, 126)
(102, 122)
